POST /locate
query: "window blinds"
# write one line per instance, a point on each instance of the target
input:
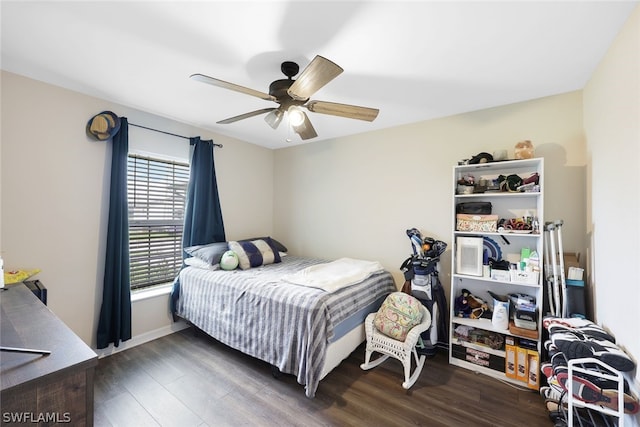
(156, 191)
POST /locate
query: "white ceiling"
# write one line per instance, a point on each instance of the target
(413, 60)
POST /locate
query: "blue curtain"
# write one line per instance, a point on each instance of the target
(203, 216)
(115, 314)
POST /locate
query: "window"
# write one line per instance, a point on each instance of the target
(156, 191)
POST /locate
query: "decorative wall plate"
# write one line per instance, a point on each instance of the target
(493, 248)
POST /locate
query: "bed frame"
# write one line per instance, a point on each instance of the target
(226, 306)
(340, 349)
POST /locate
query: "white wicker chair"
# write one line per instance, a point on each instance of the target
(400, 350)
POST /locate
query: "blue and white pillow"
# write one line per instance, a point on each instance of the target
(254, 253)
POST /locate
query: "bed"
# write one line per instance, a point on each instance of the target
(264, 312)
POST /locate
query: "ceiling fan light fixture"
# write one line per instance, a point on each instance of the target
(274, 118)
(296, 116)
(305, 129)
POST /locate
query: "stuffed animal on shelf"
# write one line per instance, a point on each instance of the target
(524, 150)
(461, 304)
(478, 306)
(468, 305)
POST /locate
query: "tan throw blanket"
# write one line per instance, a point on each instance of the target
(334, 275)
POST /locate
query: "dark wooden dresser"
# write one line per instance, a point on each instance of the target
(53, 389)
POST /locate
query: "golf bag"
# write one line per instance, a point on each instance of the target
(422, 282)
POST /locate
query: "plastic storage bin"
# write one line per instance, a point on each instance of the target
(575, 298)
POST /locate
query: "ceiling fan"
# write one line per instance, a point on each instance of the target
(291, 95)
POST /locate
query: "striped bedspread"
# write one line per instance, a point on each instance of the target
(286, 325)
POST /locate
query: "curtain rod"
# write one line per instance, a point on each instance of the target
(168, 133)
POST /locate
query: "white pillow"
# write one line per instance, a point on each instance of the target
(199, 263)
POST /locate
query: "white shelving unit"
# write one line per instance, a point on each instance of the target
(505, 205)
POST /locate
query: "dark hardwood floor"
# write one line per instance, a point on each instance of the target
(192, 380)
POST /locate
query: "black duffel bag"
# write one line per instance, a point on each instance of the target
(474, 208)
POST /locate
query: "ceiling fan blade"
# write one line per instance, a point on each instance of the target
(245, 116)
(318, 73)
(232, 86)
(305, 130)
(343, 110)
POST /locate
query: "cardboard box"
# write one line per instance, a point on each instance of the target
(477, 357)
(510, 361)
(522, 366)
(571, 259)
(533, 360)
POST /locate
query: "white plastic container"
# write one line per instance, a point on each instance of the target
(500, 318)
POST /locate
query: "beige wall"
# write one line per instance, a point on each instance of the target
(612, 127)
(356, 196)
(55, 183)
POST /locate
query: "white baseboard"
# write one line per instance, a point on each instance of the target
(142, 338)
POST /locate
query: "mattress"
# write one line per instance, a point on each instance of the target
(356, 319)
(286, 325)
